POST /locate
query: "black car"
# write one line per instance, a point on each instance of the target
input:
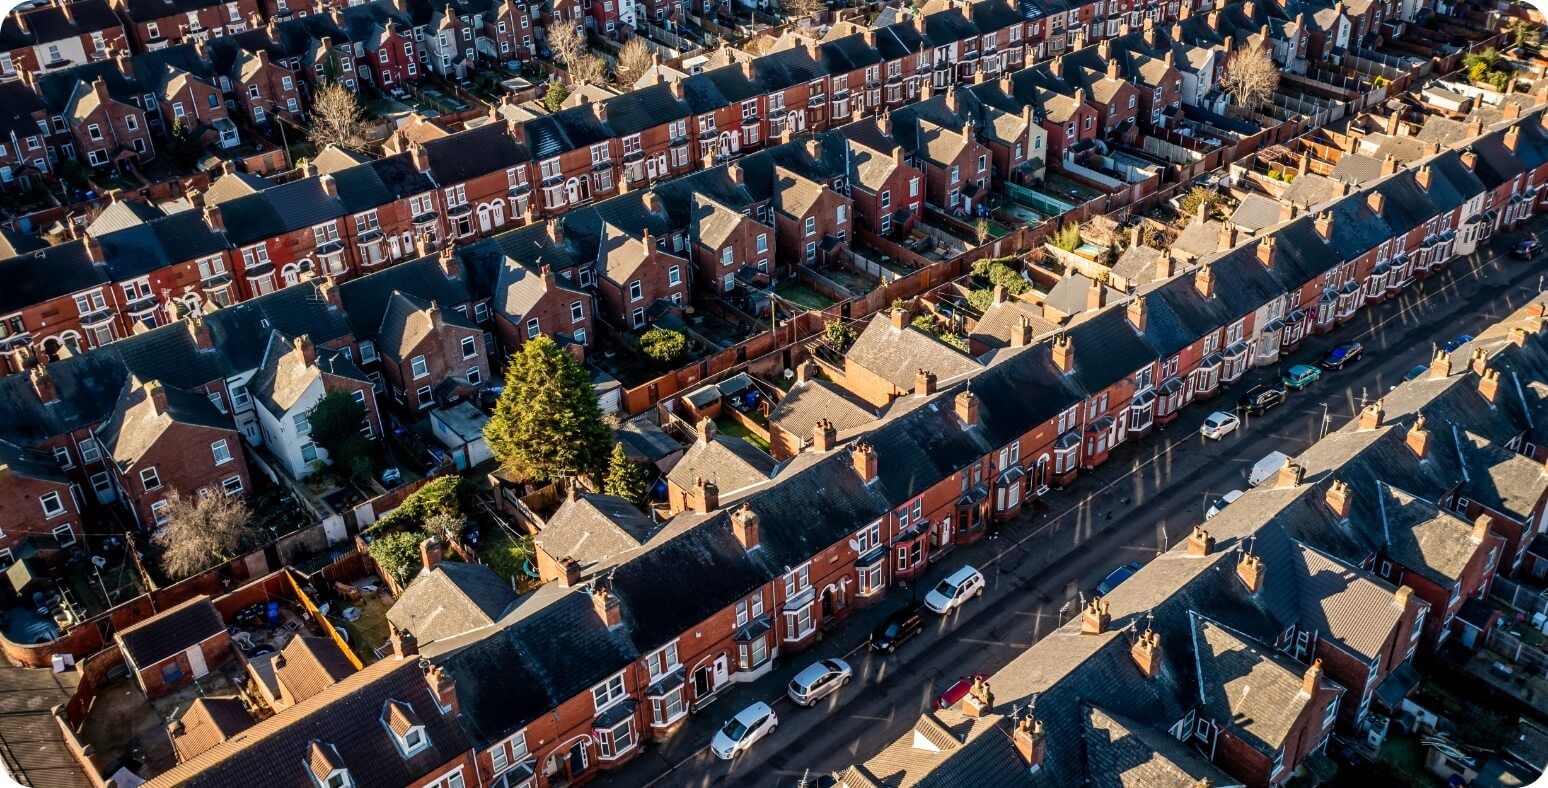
(896, 628)
(1341, 355)
(1260, 398)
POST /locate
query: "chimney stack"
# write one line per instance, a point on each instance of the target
(1376, 201)
(924, 382)
(980, 699)
(1512, 138)
(1290, 475)
(308, 351)
(1146, 652)
(744, 525)
(1266, 251)
(1136, 313)
(1418, 438)
(1251, 571)
(1469, 159)
(1371, 417)
(329, 186)
(967, 407)
(1478, 362)
(444, 688)
(1337, 498)
(43, 384)
(1063, 353)
(1517, 336)
(706, 430)
(1095, 618)
(94, 250)
(1095, 295)
(606, 607)
(1489, 385)
(430, 553)
(824, 436)
(1204, 280)
(864, 458)
(1200, 542)
(1481, 528)
(404, 645)
(1021, 333)
(419, 157)
(1286, 211)
(1312, 680)
(449, 265)
(213, 219)
(1440, 365)
(555, 231)
(1401, 596)
(1029, 742)
(158, 396)
(1227, 235)
(899, 317)
(1324, 224)
(1423, 176)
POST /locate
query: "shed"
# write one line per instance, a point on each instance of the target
(176, 645)
(460, 428)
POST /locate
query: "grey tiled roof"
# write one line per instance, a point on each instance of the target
(1121, 753)
(733, 464)
(896, 355)
(1247, 687)
(592, 529)
(452, 599)
(807, 403)
(171, 631)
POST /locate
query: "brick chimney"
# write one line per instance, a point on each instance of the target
(1095, 295)
(1146, 652)
(806, 371)
(705, 429)
(1440, 365)
(1290, 475)
(1324, 224)
(864, 458)
(744, 525)
(1418, 438)
(1227, 235)
(1372, 416)
(1424, 176)
(899, 317)
(1478, 362)
(1338, 499)
(1251, 571)
(706, 496)
(444, 688)
(422, 244)
(1200, 542)
(1469, 158)
(1534, 320)
(419, 157)
(158, 396)
(924, 382)
(213, 219)
(1489, 385)
(1204, 280)
(1136, 313)
(824, 436)
(448, 262)
(328, 288)
(555, 231)
(200, 330)
(980, 699)
(1376, 201)
(967, 407)
(1028, 738)
(329, 186)
(1401, 596)
(1517, 336)
(430, 553)
(43, 384)
(94, 249)
(606, 606)
(404, 645)
(1481, 528)
(1021, 333)
(1094, 617)
(1312, 680)
(1064, 353)
(1511, 139)
(734, 171)
(307, 350)
(1266, 251)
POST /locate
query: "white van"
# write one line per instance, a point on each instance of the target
(1266, 468)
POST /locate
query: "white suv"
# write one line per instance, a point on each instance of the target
(962, 585)
(743, 731)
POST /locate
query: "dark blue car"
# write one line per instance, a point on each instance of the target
(1119, 575)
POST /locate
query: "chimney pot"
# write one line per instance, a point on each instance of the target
(1290, 475)
(1136, 313)
(1095, 618)
(1029, 741)
(744, 524)
(1021, 334)
(404, 645)
(1064, 354)
(1200, 542)
(1371, 417)
(1147, 653)
(1204, 280)
(1312, 681)
(1251, 571)
(967, 407)
(606, 607)
(823, 436)
(1324, 224)
(864, 458)
(430, 553)
(1266, 251)
(1440, 365)
(924, 382)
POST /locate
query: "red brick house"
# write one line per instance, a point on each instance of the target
(887, 191)
(155, 24)
(57, 34)
(812, 221)
(164, 441)
(429, 354)
(176, 646)
(725, 242)
(106, 130)
(530, 303)
(955, 163)
(36, 503)
(265, 88)
(637, 279)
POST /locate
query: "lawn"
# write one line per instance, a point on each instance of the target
(506, 555)
(800, 295)
(734, 428)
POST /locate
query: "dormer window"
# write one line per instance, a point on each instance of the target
(408, 732)
(325, 766)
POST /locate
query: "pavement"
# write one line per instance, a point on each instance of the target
(1148, 496)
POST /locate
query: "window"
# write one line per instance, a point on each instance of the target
(635, 291)
(1332, 711)
(637, 318)
(797, 580)
(749, 609)
(913, 187)
(607, 693)
(469, 347)
(841, 214)
(149, 479)
(303, 423)
(221, 451)
(1279, 763)
(64, 535)
(480, 311)
(811, 225)
(232, 485)
(62, 457)
(159, 512)
(763, 243)
(53, 505)
(367, 351)
(662, 661)
(474, 376)
(577, 312)
(418, 367)
(94, 132)
(309, 453)
(674, 276)
(615, 741)
(424, 396)
(90, 452)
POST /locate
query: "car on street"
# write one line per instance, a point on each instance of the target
(1264, 469)
(1300, 376)
(743, 731)
(962, 585)
(1458, 342)
(957, 691)
(1415, 372)
(819, 680)
(1341, 355)
(895, 629)
(1219, 504)
(1259, 399)
(1117, 576)
(1526, 248)
(1219, 424)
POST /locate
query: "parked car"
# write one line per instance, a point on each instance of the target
(896, 628)
(1114, 579)
(962, 585)
(819, 680)
(1340, 356)
(1219, 504)
(1458, 342)
(1526, 248)
(744, 730)
(1219, 424)
(1415, 372)
(1260, 399)
(1300, 376)
(957, 691)
(1264, 469)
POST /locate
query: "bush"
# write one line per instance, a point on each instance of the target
(397, 554)
(1067, 237)
(981, 299)
(838, 335)
(440, 496)
(998, 273)
(1188, 206)
(664, 346)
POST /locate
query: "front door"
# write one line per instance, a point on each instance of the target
(703, 681)
(196, 662)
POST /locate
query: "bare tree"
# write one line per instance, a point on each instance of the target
(200, 531)
(337, 119)
(634, 59)
(1251, 77)
(588, 69)
(802, 9)
(567, 43)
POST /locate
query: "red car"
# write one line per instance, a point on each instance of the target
(958, 691)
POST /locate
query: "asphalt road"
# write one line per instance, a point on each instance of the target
(1148, 495)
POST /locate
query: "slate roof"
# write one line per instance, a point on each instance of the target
(304, 203)
(450, 600)
(1256, 212)
(592, 528)
(284, 377)
(342, 722)
(70, 270)
(469, 154)
(807, 403)
(137, 423)
(1121, 753)
(48, 23)
(170, 632)
(1248, 687)
(1341, 603)
(409, 320)
(896, 355)
(1072, 293)
(733, 464)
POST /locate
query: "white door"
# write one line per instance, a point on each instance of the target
(722, 671)
(102, 485)
(196, 660)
